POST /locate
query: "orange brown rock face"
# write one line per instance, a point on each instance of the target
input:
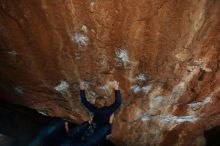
(165, 54)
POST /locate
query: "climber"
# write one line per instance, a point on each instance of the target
(94, 132)
(101, 112)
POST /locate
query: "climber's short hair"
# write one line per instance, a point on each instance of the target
(100, 101)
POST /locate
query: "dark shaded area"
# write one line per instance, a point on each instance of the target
(22, 125)
(213, 136)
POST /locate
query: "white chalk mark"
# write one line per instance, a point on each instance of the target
(166, 118)
(141, 77)
(190, 118)
(122, 54)
(145, 118)
(13, 53)
(43, 112)
(207, 100)
(80, 39)
(19, 89)
(158, 99)
(122, 57)
(179, 119)
(198, 104)
(146, 89)
(135, 88)
(169, 118)
(63, 86)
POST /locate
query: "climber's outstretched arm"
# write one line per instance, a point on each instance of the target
(117, 102)
(84, 101)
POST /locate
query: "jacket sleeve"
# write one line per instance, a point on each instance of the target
(117, 102)
(86, 103)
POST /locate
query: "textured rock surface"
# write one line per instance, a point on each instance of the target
(165, 53)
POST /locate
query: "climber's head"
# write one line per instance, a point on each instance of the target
(100, 102)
